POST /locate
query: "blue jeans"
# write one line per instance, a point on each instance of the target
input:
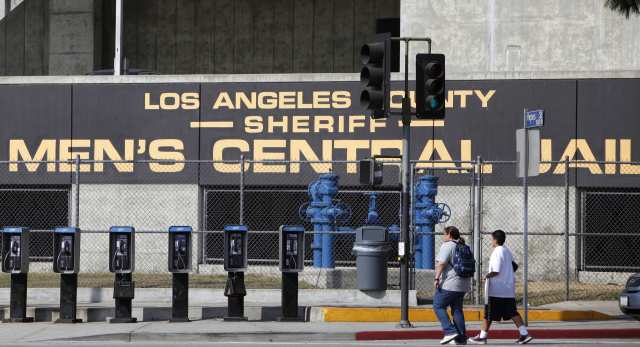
(443, 299)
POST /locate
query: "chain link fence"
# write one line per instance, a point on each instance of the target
(580, 244)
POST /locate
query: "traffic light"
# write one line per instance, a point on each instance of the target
(430, 86)
(374, 76)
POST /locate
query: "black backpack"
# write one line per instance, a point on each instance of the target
(463, 262)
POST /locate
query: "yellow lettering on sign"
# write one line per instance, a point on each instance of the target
(18, 151)
(351, 147)
(625, 155)
(67, 152)
(341, 99)
(301, 150)
(218, 154)
(260, 153)
(579, 146)
(156, 152)
(223, 100)
(102, 147)
(253, 125)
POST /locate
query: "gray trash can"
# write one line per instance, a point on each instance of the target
(371, 249)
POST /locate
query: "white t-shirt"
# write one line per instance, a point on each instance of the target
(504, 284)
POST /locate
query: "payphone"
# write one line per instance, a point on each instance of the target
(235, 263)
(179, 263)
(66, 250)
(180, 249)
(15, 250)
(235, 249)
(122, 263)
(291, 262)
(66, 262)
(15, 261)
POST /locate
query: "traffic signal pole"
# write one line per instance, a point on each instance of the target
(405, 244)
(375, 78)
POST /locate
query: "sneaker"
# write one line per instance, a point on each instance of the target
(459, 341)
(448, 338)
(477, 340)
(524, 339)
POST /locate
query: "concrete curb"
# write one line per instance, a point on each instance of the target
(381, 315)
(498, 334)
(504, 334)
(150, 313)
(217, 337)
(90, 314)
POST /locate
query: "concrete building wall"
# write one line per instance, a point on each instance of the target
(71, 36)
(246, 36)
(23, 39)
(515, 36)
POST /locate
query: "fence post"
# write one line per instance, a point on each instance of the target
(77, 193)
(566, 228)
(477, 226)
(412, 229)
(241, 189)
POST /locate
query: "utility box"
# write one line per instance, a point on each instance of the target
(291, 248)
(180, 250)
(66, 250)
(235, 248)
(15, 250)
(371, 249)
(122, 249)
(371, 173)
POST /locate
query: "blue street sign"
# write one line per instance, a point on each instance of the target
(534, 119)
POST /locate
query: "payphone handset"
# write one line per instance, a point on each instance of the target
(235, 247)
(121, 249)
(121, 257)
(66, 250)
(291, 251)
(180, 252)
(235, 237)
(291, 248)
(65, 257)
(14, 254)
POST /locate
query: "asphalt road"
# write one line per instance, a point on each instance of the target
(581, 343)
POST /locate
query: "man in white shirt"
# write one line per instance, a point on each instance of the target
(500, 291)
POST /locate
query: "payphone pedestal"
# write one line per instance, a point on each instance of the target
(235, 292)
(180, 298)
(18, 300)
(123, 293)
(290, 298)
(68, 295)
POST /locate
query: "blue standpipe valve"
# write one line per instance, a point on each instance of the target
(427, 214)
(372, 215)
(324, 213)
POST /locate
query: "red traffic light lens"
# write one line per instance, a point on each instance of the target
(434, 69)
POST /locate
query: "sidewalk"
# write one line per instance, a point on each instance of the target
(218, 331)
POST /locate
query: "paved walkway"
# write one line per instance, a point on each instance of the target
(214, 330)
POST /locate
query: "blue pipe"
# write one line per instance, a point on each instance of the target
(427, 215)
(328, 260)
(323, 214)
(372, 215)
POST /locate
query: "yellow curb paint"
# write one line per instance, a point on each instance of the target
(371, 315)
